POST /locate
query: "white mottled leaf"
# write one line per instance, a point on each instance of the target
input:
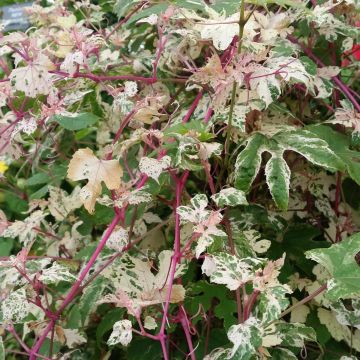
(118, 239)
(15, 307)
(229, 197)
(61, 204)
(231, 271)
(56, 273)
(122, 333)
(153, 167)
(245, 338)
(33, 79)
(24, 229)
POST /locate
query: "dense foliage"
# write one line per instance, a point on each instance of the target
(180, 180)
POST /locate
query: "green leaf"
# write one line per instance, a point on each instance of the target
(339, 144)
(309, 65)
(6, 245)
(37, 179)
(282, 354)
(205, 295)
(122, 6)
(277, 174)
(40, 193)
(76, 121)
(339, 260)
(248, 162)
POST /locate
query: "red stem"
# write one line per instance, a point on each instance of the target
(192, 107)
(250, 304)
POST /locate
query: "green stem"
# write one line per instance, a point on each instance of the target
(242, 23)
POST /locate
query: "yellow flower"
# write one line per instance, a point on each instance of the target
(3, 167)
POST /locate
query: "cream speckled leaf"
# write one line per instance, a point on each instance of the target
(85, 165)
(118, 239)
(220, 34)
(122, 333)
(61, 204)
(150, 323)
(56, 273)
(153, 167)
(73, 338)
(133, 276)
(15, 307)
(24, 229)
(33, 79)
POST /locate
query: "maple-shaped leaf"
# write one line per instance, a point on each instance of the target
(84, 165)
(137, 287)
(33, 79)
(277, 172)
(219, 29)
(229, 270)
(339, 260)
(205, 222)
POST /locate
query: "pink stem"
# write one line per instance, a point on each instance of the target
(174, 261)
(185, 325)
(74, 289)
(344, 88)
